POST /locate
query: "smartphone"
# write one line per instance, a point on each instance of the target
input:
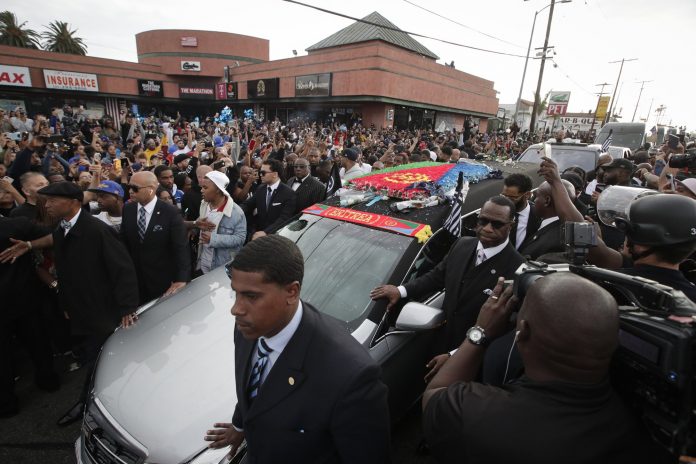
(97, 157)
(599, 188)
(124, 162)
(672, 184)
(218, 164)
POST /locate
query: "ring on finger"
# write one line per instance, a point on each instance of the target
(494, 297)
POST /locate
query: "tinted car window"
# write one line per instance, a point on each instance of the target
(564, 157)
(343, 262)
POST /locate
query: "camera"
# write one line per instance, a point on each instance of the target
(683, 161)
(653, 366)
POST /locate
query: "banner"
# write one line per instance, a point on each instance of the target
(377, 221)
(66, 80)
(16, 76)
(263, 88)
(231, 90)
(191, 91)
(149, 88)
(602, 106)
(220, 91)
(313, 85)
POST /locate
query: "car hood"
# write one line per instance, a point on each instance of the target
(157, 378)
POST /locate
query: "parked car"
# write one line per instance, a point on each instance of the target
(159, 385)
(623, 134)
(564, 154)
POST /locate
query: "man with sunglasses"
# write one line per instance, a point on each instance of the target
(273, 201)
(155, 236)
(468, 273)
(517, 188)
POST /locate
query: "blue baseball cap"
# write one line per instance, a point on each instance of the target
(108, 186)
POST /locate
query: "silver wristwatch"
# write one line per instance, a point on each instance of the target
(477, 336)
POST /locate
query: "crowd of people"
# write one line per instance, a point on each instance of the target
(96, 221)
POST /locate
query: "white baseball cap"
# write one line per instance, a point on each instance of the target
(220, 180)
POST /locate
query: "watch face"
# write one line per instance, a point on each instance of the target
(475, 335)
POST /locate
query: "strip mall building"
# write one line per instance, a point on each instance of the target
(381, 76)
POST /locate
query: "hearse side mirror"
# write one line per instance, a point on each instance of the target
(417, 316)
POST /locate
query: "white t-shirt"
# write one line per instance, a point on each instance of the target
(110, 221)
(183, 151)
(205, 257)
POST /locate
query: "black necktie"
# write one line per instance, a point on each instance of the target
(268, 197)
(513, 229)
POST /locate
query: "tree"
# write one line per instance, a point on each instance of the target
(14, 34)
(59, 38)
(543, 104)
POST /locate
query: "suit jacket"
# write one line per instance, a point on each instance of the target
(533, 224)
(322, 401)
(464, 284)
(281, 208)
(311, 191)
(163, 256)
(545, 240)
(96, 277)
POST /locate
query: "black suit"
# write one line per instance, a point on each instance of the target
(322, 401)
(95, 276)
(280, 208)
(533, 222)
(545, 240)
(311, 191)
(464, 284)
(163, 256)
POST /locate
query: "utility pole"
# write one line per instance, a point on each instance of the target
(601, 93)
(610, 113)
(642, 84)
(650, 109)
(537, 96)
(660, 109)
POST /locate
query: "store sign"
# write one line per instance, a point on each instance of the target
(66, 80)
(206, 92)
(314, 85)
(191, 66)
(231, 90)
(189, 42)
(602, 106)
(17, 76)
(149, 88)
(263, 88)
(221, 91)
(558, 103)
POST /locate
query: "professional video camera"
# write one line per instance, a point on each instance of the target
(687, 160)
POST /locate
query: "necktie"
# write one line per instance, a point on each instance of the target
(141, 224)
(480, 256)
(263, 350)
(268, 197)
(65, 224)
(513, 230)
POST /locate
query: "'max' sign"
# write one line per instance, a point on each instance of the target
(17, 76)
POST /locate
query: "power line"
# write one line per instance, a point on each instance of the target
(463, 25)
(323, 10)
(563, 72)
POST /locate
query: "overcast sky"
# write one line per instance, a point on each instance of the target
(587, 35)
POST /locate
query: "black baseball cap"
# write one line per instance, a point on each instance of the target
(621, 163)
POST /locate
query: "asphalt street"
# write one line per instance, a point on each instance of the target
(32, 436)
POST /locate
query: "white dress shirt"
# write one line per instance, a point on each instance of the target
(72, 222)
(149, 209)
(297, 183)
(547, 221)
(522, 221)
(488, 252)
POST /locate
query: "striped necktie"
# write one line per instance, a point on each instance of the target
(141, 224)
(256, 377)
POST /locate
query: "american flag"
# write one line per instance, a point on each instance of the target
(453, 224)
(607, 142)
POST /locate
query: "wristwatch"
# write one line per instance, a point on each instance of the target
(477, 336)
(53, 285)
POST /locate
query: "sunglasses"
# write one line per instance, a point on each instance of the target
(263, 173)
(483, 222)
(300, 166)
(136, 188)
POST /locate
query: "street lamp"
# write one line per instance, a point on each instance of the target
(532, 122)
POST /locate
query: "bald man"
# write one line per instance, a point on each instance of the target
(155, 236)
(547, 238)
(191, 202)
(562, 410)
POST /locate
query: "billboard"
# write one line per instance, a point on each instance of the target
(558, 103)
(602, 106)
(263, 88)
(313, 85)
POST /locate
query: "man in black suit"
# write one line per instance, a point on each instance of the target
(468, 272)
(547, 239)
(518, 189)
(307, 391)
(95, 275)
(273, 201)
(307, 188)
(155, 236)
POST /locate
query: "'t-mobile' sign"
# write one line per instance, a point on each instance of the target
(66, 80)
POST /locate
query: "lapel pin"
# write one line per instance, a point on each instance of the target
(291, 381)
(492, 271)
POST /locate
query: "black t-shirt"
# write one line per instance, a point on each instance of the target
(26, 210)
(670, 277)
(532, 422)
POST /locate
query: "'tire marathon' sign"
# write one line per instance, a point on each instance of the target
(150, 88)
(205, 92)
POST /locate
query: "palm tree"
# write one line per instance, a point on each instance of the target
(59, 38)
(14, 34)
